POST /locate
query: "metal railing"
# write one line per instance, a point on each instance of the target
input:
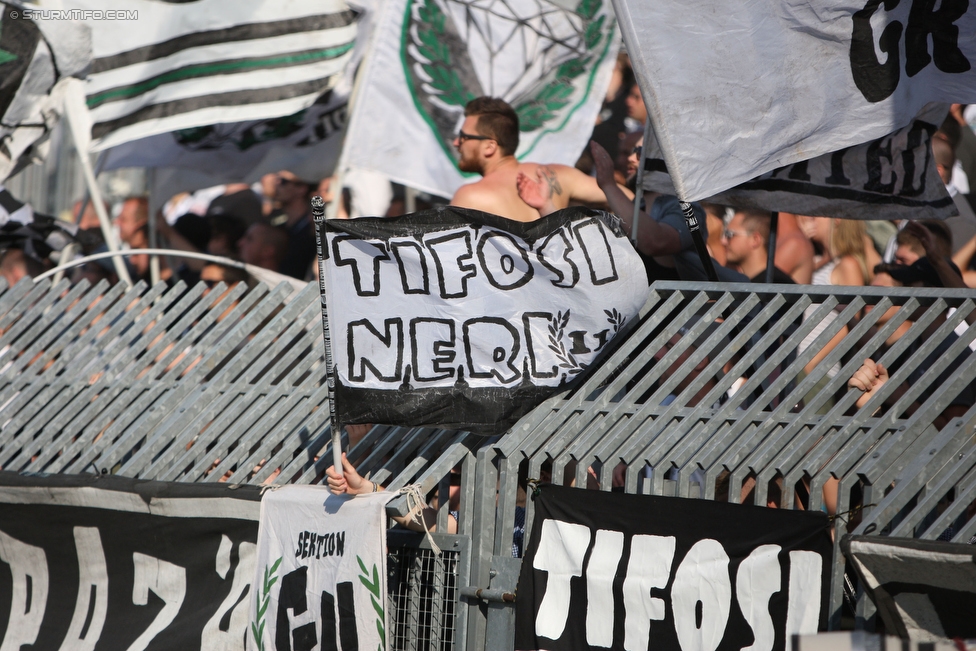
(190, 385)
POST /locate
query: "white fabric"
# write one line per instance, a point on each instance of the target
(894, 177)
(162, 22)
(403, 126)
(26, 122)
(370, 193)
(736, 88)
(428, 303)
(339, 539)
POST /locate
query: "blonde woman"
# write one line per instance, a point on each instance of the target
(845, 261)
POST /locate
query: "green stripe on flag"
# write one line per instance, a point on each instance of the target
(210, 69)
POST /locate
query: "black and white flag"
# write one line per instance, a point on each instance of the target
(461, 319)
(166, 66)
(37, 57)
(105, 562)
(738, 88)
(635, 572)
(893, 177)
(306, 143)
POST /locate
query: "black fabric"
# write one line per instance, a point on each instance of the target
(694, 525)
(127, 535)
(301, 249)
(780, 277)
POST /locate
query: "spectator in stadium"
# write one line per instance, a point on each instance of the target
(963, 225)
(264, 246)
(794, 251)
(293, 195)
(745, 241)
(15, 265)
(715, 224)
(909, 247)
(133, 225)
(663, 238)
(486, 145)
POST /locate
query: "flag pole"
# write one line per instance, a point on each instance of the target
(695, 228)
(81, 141)
(318, 216)
(771, 246)
(639, 187)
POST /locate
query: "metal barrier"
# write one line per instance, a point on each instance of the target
(185, 384)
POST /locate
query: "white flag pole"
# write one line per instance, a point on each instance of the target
(73, 106)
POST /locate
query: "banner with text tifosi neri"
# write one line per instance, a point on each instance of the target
(461, 319)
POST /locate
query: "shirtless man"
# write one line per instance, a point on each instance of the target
(486, 145)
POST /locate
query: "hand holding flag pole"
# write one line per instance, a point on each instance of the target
(318, 216)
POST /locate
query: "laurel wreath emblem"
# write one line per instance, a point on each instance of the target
(257, 626)
(442, 81)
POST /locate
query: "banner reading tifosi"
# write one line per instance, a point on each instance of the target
(321, 572)
(635, 572)
(467, 320)
(111, 563)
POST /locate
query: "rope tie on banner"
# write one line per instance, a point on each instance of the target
(844, 515)
(416, 502)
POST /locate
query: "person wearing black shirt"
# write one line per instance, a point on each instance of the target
(745, 244)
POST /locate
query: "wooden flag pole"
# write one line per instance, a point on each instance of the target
(318, 216)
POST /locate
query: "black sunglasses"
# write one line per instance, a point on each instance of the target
(462, 136)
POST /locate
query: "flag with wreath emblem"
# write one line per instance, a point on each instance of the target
(551, 60)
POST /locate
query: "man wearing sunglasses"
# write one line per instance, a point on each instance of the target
(486, 145)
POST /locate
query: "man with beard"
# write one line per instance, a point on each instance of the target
(486, 145)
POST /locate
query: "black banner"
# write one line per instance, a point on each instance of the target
(92, 562)
(636, 572)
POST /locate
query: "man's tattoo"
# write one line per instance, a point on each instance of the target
(551, 180)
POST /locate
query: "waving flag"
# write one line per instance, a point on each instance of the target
(467, 320)
(166, 66)
(36, 59)
(551, 63)
(738, 88)
(893, 177)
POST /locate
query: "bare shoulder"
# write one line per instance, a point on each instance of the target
(847, 272)
(471, 195)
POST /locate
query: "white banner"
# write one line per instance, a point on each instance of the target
(321, 571)
(737, 88)
(550, 63)
(894, 177)
(467, 320)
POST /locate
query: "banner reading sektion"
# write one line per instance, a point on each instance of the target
(112, 563)
(738, 88)
(894, 177)
(467, 320)
(321, 572)
(622, 571)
